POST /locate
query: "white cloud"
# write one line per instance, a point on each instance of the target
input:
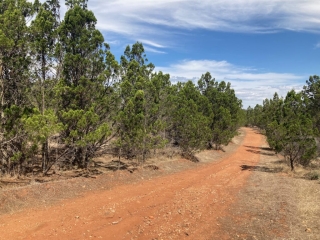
(153, 50)
(155, 21)
(318, 45)
(142, 18)
(113, 42)
(151, 43)
(251, 85)
(151, 46)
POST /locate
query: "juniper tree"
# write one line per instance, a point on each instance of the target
(293, 134)
(83, 90)
(14, 80)
(43, 45)
(192, 117)
(311, 93)
(226, 109)
(142, 95)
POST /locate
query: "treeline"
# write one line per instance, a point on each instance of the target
(291, 124)
(64, 96)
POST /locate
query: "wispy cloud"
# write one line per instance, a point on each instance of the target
(156, 21)
(153, 50)
(151, 43)
(152, 46)
(251, 85)
(140, 17)
(317, 45)
(113, 42)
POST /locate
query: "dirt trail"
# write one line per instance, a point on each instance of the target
(184, 205)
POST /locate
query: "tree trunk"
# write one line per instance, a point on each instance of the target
(291, 164)
(144, 140)
(2, 91)
(84, 158)
(45, 156)
(9, 166)
(77, 157)
(45, 145)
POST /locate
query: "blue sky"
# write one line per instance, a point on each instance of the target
(260, 46)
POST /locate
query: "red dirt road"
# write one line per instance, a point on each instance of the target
(184, 205)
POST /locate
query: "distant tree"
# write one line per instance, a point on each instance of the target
(258, 116)
(249, 116)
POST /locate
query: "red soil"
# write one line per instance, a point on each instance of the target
(183, 205)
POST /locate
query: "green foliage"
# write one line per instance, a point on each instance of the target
(82, 47)
(43, 35)
(72, 3)
(60, 79)
(191, 123)
(311, 93)
(83, 91)
(222, 127)
(132, 125)
(249, 117)
(14, 81)
(261, 116)
(15, 137)
(290, 123)
(291, 132)
(67, 82)
(14, 58)
(142, 94)
(39, 127)
(84, 127)
(226, 109)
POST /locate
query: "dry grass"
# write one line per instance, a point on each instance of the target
(276, 204)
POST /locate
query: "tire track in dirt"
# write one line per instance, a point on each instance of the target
(184, 205)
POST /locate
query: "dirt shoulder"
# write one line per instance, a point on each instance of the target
(185, 204)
